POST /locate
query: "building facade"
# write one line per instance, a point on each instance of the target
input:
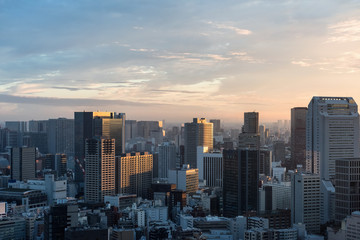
(332, 132)
(298, 137)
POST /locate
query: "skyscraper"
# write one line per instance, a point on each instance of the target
(61, 136)
(197, 133)
(298, 137)
(87, 127)
(216, 125)
(250, 136)
(100, 169)
(166, 159)
(240, 181)
(134, 173)
(23, 163)
(332, 132)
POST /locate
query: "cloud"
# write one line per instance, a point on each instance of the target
(239, 31)
(346, 31)
(301, 63)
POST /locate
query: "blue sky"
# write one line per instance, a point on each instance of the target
(175, 60)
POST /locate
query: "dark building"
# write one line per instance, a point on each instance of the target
(265, 162)
(22, 161)
(279, 151)
(57, 218)
(241, 178)
(38, 140)
(278, 219)
(250, 135)
(31, 198)
(177, 199)
(60, 135)
(347, 187)
(298, 137)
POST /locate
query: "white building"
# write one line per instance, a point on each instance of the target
(332, 132)
(305, 201)
(210, 165)
(279, 173)
(280, 194)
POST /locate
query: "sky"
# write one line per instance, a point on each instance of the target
(175, 60)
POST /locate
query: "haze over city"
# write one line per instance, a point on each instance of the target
(175, 60)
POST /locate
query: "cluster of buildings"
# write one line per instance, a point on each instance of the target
(100, 176)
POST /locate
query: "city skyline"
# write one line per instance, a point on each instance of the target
(175, 60)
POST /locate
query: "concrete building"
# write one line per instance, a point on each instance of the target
(186, 179)
(332, 132)
(121, 201)
(22, 161)
(298, 137)
(197, 133)
(210, 165)
(100, 169)
(216, 125)
(327, 203)
(134, 173)
(166, 159)
(305, 201)
(274, 196)
(249, 138)
(347, 187)
(13, 228)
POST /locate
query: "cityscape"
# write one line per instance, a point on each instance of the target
(102, 176)
(194, 120)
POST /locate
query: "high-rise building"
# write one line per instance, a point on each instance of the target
(60, 135)
(100, 169)
(197, 133)
(216, 125)
(265, 162)
(240, 181)
(85, 128)
(298, 137)
(305, 201)
(251, 122)
(347, 187)
(210, 165)
(38, 126)
(16, 126)
(130, 129)
(262, 135)
(279, 151)
(166, 159)
(186, 179)
(22, 163)
(250, 135)
(134, 173)
(332, 132)
(112, 127)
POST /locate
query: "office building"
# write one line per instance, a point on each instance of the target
(240, 181)
(327, 203)
(22, 161)
(130, 129)
(16, 126)
(305, 201)
(347, 187)
(58, 218)
(197, 133)
(134, 173)
(332, 132)
(298, 137)
(112, 127)
(210, 165)
(100, 169)
(26, 198)
(38, 126)
(249, 138)
(186, 178)
(86, 128)
(13, 228)
(216, 125)
(265, 162)
(166, 159)
(60, 133)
